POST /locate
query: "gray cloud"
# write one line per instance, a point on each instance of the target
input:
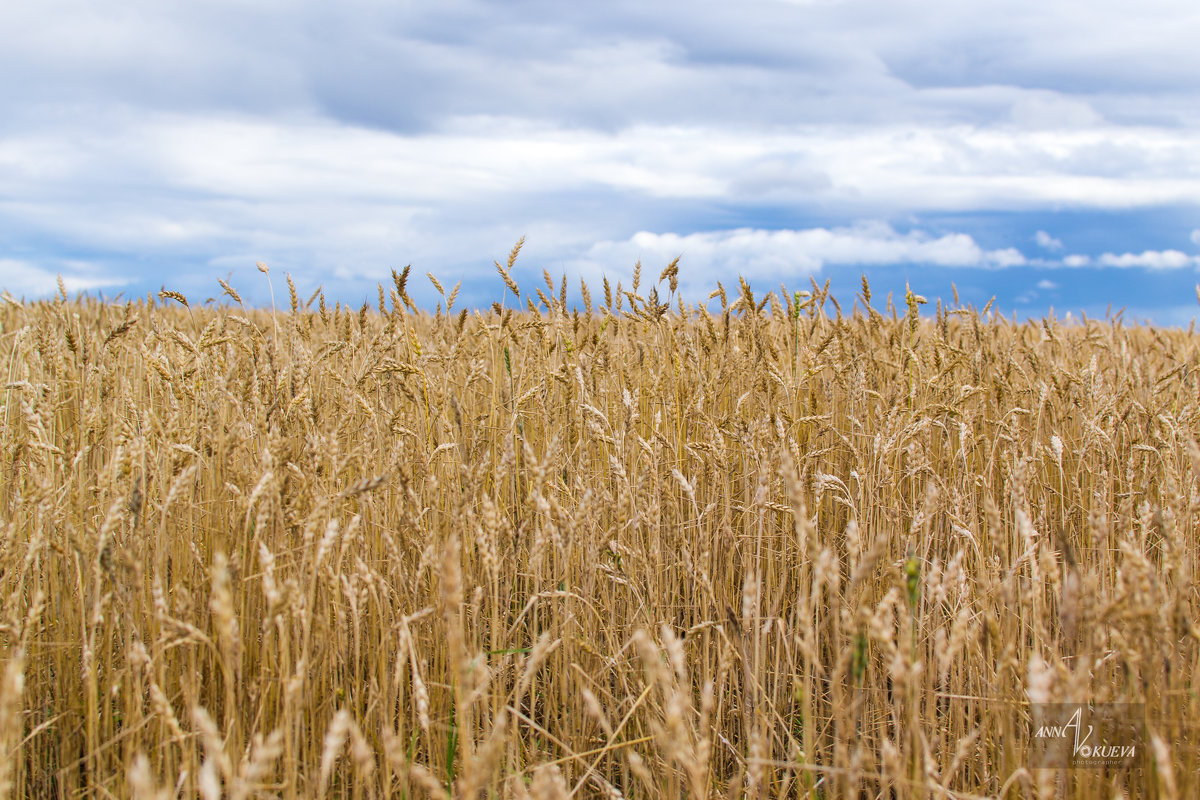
(411, 67)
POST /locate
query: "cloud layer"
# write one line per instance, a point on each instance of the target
(771, 137)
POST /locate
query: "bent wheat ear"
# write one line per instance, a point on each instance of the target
(229, 290)
(508, 281)
(436, 283)
(176, 296)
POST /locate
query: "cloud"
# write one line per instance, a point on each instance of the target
(1150, 259)
(750, 252)
(23, 279)
(1196, 236)
(1046, 285)
(1047, 241)
(311, 197)
(1006, 257)
(409, 67)
(208, 136)
(134, 181)
(1159, 260)
(1018, 44)
(1053, 111)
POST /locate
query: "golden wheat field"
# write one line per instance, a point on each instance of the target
(776, 548)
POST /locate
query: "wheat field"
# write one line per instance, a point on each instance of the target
(626, 547)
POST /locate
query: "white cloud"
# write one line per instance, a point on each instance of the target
(902, 167)
(1047, 241)
(23, 279)
(1196, 236)
(1150, 259)
(1007, 257)
(234, 183)
(753, 252)
(1046, 284)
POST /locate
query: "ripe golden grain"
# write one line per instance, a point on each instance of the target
(644, 552)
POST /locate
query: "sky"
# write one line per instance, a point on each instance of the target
(1042, 152)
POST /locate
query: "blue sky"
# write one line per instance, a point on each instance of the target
(1042, 151)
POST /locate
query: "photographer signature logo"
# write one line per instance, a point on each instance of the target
(1082, 747)
(1070, 736)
